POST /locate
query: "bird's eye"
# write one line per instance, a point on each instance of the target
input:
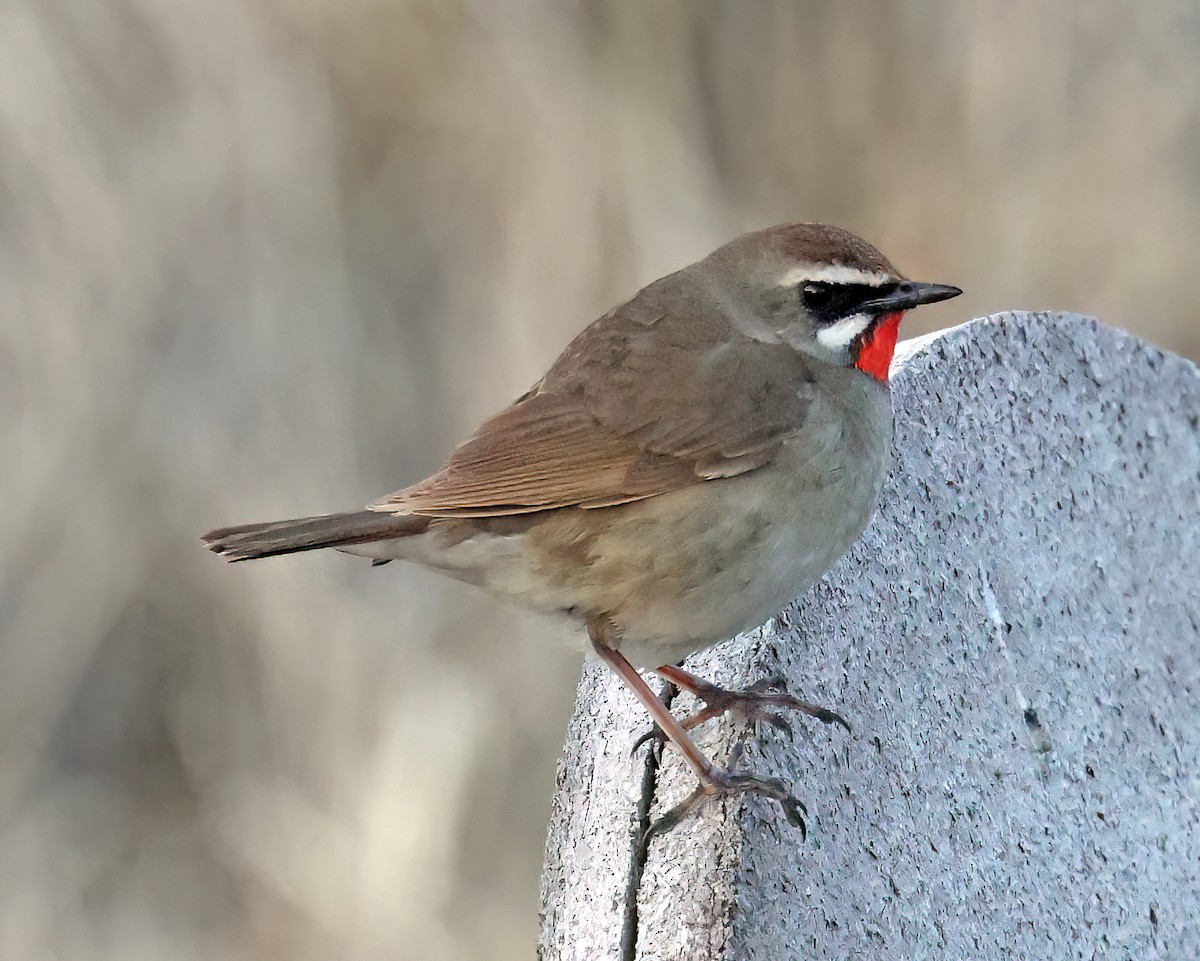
(816, 295)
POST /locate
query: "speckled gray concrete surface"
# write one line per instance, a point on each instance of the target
(1016, 641)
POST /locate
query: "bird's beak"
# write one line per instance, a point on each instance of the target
(908, 294)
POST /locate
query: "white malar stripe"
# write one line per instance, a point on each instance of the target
(841, 334)
(835, 274)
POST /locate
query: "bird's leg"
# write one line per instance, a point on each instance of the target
(752, 703)
(714, 781)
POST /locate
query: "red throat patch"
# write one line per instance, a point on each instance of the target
(875, 354)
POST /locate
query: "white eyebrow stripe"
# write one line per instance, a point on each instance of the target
(835, 274)
(842, 333)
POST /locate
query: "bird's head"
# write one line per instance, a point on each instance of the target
(823, 291)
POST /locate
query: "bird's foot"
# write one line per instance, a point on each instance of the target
(724, 783)
(761, 701)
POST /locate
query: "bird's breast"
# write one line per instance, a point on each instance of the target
(680, 572)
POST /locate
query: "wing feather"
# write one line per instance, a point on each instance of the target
(543, 452)
(645, 401)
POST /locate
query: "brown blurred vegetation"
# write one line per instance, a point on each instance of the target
(273, 257)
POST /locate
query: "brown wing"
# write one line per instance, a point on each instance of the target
(543, 452)
(641, 403)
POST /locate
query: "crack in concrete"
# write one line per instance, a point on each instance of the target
(641, 847)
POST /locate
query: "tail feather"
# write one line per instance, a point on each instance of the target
(252, 541)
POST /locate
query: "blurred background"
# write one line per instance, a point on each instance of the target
(264, 258)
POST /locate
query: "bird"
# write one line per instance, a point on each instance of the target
(692, 462)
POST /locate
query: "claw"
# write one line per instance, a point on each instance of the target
(724, 784)
(779, 722)
(795, 812)
(654, 734)
(826, 716)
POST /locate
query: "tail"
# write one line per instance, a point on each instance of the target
(310, 533)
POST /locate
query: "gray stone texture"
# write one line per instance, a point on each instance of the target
(1016, 642)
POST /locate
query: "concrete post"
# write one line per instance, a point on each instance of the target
(1016, 642)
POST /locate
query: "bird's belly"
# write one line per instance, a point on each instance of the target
(730, 564)
(686, 570)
